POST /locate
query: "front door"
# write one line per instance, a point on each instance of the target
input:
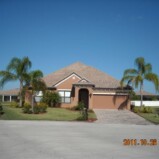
(84, 97)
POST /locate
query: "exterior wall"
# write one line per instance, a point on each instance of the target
(111, 102)
(67, 84)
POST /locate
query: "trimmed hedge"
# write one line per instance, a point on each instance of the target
(142, 109)
(40, 108)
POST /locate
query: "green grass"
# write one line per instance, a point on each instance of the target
(152, 117)
(56, 114)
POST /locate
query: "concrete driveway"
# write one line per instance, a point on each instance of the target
(119, 117)
(74, 140)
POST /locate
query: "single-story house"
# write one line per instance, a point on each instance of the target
(9, 95)
(79, 82)
(147, 95)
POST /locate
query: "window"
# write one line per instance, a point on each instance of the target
(65, 96)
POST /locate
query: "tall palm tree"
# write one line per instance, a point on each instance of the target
(17, 69)
(36, 83)
(137, 76)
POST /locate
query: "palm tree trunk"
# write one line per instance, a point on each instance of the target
(141, 95)
(20, 93)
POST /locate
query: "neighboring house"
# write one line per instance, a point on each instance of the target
(147, 95)
(149, 99)
(79, 82)
(9, 95)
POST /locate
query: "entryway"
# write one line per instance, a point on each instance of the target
(84, 97)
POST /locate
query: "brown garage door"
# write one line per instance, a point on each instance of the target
(110, 102)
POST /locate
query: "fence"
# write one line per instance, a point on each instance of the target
(146, 103)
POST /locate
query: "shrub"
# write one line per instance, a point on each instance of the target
(52, 99)
(142, 109)
(42, 107)
(36, 109)
(135, 109)
(27, 108)
(148, 110)
(80, 106)
(1, 109)
(14, 104)
(84, 113)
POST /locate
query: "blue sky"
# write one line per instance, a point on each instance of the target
(105, 34)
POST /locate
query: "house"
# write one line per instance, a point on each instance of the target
(79, 82)
(147, 96)
(9, 95)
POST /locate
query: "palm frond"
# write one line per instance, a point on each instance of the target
(127, 79)
(138, 80)
(140, 63)
(148, 68)
(36, 74)
(6, 77)
(154, 79)
(13, 64)
(24, 66)
(130, 72)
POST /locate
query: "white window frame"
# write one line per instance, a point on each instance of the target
(63, 98)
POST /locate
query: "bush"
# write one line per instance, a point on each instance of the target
(27, 108)
(148, 110)
(135, 109)
(14, 104)
(1, 109)
(52, 99)
(42, 107)
(142, 109)
(80, 106)
(36, 109)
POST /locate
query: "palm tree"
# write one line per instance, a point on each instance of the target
(137, 76)
(36, 83)
(17, 69)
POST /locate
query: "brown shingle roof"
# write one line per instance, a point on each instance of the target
(145, 93)
(99, 78)
(10, 92)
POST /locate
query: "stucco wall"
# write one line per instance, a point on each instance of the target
(67, 84)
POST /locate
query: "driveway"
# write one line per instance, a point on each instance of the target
(119, 117)
(75, 140)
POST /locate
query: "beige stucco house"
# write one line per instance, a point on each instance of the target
(79, 82)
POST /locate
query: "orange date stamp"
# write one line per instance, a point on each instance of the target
(140, 142)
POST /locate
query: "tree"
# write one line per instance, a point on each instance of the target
(17, 69)
(36, 83)
(137, 76)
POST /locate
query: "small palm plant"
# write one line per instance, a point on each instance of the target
(137, 76)
(36, 83)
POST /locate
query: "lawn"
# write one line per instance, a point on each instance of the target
(56, 114)
(152, 117)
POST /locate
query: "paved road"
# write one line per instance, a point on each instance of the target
(74, 140)
(119, 117)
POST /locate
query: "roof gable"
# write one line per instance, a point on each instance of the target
(97, 77)
(73, 75)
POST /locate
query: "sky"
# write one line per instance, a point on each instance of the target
(107, 35)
